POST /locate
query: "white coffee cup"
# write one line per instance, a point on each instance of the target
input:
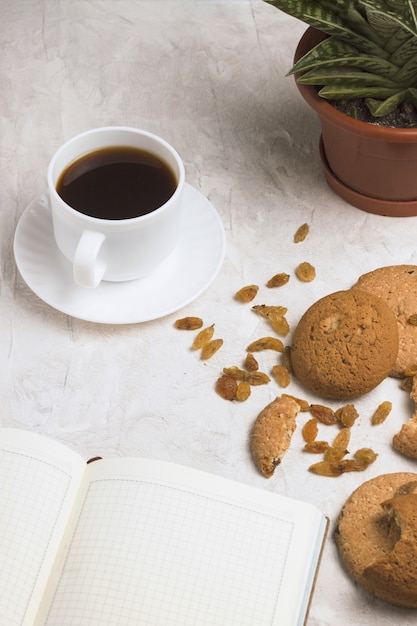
(115, 249)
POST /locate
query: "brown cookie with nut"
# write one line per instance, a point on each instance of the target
(345, 344)
(397, 286)
(272, 433)
(376, 537)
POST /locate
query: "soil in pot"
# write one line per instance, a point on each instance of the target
(404, 116)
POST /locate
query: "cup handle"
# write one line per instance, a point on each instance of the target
(88, 270)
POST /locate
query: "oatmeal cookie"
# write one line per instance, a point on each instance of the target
(345, 344)
(376, 537)
(397, 286)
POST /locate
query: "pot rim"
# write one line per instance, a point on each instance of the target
(323, 108)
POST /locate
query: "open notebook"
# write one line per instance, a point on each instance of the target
(128, 541)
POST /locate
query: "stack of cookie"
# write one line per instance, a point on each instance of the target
(349, 341)
(343, 347)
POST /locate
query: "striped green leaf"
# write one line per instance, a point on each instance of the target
(345, 76)
(337, 92)
(371, 51)
(405, 53)
(329, 55)
(379, 108)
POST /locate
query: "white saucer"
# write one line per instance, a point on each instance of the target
(179, 280)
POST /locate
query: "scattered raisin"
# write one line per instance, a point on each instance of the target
(243, 391)
(247, 294)
(211, 348)
(266, 343)
(279, 324)
(324, 414)
(301, 233)
(326, 468)
(335, 453)
(251, 363)
(281, 375)
(189, 323)
(278, 280)
(347, 415)
(305, 272)
(310, 430)
(381, 413)
(203, 337)
(235, 372)
(337, 468)
(226, 387)
(366, 454)
(258, 378)
(342, 439)
(265, 311)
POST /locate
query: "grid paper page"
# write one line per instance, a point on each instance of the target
(31, 496)
(154, 555)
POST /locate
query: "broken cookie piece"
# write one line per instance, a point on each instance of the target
(272, 433)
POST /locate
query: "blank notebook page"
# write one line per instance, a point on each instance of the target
(32, 493)
(157, 555)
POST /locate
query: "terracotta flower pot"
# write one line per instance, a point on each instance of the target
(372, 167)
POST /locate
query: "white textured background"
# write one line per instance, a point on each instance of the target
(209, 76)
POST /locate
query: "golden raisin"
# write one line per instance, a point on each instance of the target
(411, 371)
(342, 439)
(305, 272)
(211, 348)
(310, 430)
(189, 323)
(413, 319)
(353, 465)
(243, 391)
(279, 324)
(324, 414)
(381, 413)
(326, 468)
(337, 468)
(335, 453)
(266, 343)
(235, 372)
(203, 337)
(251, 363)
(247, 294)
(281, 375)
(278, 280)
(258, 378)
(366, 454)
(266, 311)
(226, 387)
(301, 233)
(347, 415)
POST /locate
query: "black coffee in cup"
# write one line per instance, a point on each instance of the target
(116, 183)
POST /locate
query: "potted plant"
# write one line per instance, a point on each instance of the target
(361, 56)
